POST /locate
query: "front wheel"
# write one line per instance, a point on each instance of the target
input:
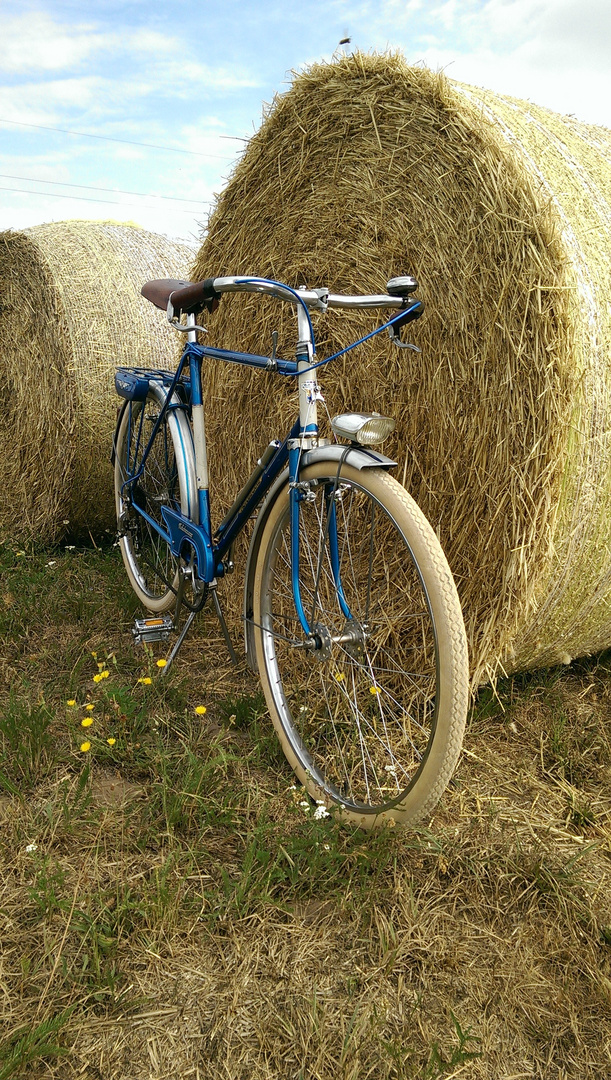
(371, 710)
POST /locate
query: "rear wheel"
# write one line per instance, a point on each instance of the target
(167, 479)
(371, 711)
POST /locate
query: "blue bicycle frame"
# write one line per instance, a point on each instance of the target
(182, 533)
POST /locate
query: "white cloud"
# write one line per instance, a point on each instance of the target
(33, 41)
(35, 44)
(185, 77)
(577, 31)
(44, 186)
(47, 102)
(553, 52)
(118, 102)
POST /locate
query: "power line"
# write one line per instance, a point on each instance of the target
(108, 138)
(90, 187)
(83, 198)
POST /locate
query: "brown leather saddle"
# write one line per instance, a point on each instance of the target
(189, 297)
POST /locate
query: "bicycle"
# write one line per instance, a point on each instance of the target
(351, 615)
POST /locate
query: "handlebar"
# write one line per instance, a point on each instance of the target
(191, 297)
(397, 297)
(313, 299)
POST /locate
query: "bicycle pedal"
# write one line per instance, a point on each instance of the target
(154, 629)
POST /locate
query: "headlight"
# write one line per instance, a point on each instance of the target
(363, 428)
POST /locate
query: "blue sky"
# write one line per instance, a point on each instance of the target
(193, 76)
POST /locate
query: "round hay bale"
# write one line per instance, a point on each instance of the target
(70, 312)
(367, 168)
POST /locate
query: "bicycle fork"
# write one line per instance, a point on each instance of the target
(300, 491)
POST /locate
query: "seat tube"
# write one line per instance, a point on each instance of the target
(199, 430)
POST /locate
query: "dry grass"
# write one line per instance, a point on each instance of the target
(70, 312)
(183, 916)
(368, 168)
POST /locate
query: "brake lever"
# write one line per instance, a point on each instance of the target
(414, 311)
(396, 340)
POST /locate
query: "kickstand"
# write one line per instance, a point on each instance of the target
(181, 637)
(189, 620)
(183, 633)
(221, 619)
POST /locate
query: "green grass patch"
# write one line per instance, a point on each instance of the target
(163, 870)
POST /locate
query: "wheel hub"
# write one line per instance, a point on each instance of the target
(322, 643)
(351, 640)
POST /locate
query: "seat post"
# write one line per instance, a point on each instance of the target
(308, 385)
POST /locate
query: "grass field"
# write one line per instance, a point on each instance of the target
(170, 908)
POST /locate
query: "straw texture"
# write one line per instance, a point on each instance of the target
(70, 312)
(367, 168)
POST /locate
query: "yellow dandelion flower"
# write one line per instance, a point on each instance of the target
(100, 665)
(71, 702)
(96, 678)
(339, 676)
(85, 746)
(200, 709)
(90, 707)
(161, 663)
(87, 721)
(111, 742)
(95, 655)
(146, 680)
(374, 690)
(104, 674)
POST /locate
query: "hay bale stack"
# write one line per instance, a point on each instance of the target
(70, 312)
(367, 168)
